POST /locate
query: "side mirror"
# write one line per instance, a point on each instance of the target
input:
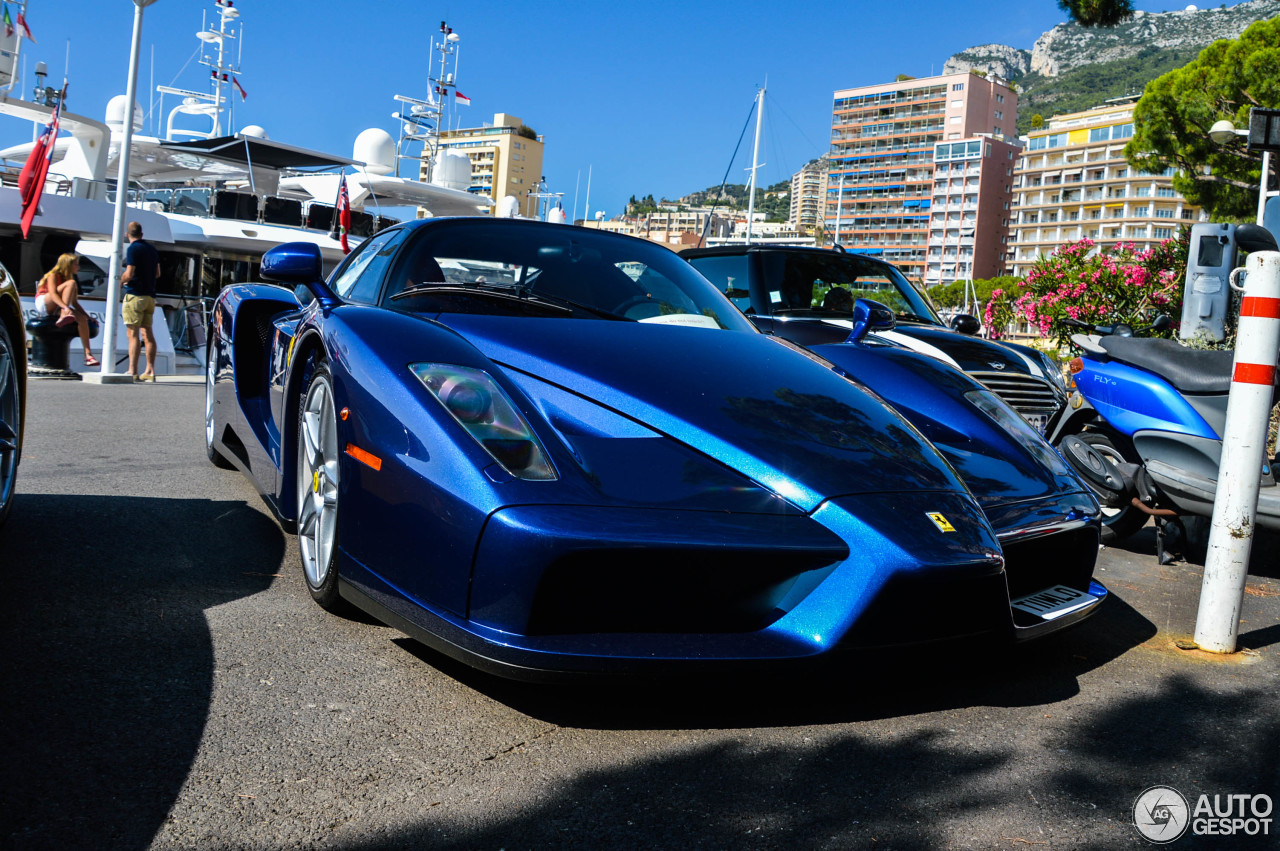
(1255, 238)
(870, 316)
(1162, 323)
(966, 324)
(298, 263)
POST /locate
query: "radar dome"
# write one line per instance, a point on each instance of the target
(115, 114)
(452, 171)
(376, 149)
(255, 131)
(507, 207)
(556, 216)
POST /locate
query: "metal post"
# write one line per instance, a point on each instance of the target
(839, 207)
(755, 166)
(1263, 185)
(1244, 444)
(122, 187)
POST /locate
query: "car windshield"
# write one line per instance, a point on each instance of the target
(826, 282)
(553, 271)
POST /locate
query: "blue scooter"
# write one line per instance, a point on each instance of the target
(1143, 426)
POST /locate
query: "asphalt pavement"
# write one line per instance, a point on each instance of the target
(168, 683)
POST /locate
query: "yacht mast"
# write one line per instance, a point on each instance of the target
(423, 121)
(221, 70)
(755, 163)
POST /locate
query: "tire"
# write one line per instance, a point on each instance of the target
(10, 422)
(316, 475)
(210, 427)
(1117, 523)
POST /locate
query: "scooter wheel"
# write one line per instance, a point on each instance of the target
(1117, 523)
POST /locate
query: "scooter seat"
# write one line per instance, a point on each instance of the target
(1189, 370)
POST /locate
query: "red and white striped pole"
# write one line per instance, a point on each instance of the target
(1244, 445)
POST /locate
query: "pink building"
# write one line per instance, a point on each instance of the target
(969, 212)
(880, 189)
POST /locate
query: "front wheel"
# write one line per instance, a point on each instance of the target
(210, 427)
(1117, 523)
(317, 489)
(10, 421)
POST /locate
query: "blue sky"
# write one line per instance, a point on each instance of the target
(651, 96)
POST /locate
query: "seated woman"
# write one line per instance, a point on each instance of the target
(58, 293)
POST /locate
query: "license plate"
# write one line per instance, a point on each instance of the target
(1038, 421)
(1053, 602)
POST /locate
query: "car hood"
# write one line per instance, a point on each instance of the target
(762, 407)
(971, 354)
(998, 465)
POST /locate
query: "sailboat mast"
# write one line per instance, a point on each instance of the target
(755, 164)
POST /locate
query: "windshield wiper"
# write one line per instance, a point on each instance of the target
(561, 301)
(502, 293)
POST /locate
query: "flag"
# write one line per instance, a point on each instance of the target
(239, 88)
(8, 22)
(461, 99)
(36, 169)
(22, 22)
(342, 213)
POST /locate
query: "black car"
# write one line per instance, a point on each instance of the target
(806, 295)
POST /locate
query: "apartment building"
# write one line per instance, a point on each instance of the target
(969, 213)
(506, 159)
(808, 191)
(880, 188)
(669, 227)
(1072, 182)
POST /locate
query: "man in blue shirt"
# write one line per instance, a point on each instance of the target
(141, 269)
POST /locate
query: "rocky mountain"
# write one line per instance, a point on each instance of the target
(1009, 63)
(1072, 67)
(1070, 45)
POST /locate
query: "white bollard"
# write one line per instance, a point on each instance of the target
(1244, 444)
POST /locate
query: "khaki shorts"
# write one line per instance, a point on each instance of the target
(138, 310)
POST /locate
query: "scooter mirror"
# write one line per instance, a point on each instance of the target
(1162, 323)
(1122, 330)
(1255, 238)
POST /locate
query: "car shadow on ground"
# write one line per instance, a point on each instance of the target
(861, 686)
(107, 658)
(923, 788)
(1263, 558)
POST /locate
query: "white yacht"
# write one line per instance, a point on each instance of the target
(212, 201)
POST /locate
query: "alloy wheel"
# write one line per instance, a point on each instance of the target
(317, 472)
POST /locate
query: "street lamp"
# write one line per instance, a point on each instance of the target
(108, 374)
(1224, 133)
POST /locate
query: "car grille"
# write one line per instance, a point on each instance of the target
(1024, 393)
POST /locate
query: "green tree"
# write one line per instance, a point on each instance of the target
(1172, 120)
(1097, 13)
(1037, 121)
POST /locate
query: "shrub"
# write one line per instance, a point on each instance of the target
(1119, 284)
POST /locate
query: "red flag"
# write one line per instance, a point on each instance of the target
(461, 99)
(243, 94)
(36, 169)
(26, 30)
(344, 213)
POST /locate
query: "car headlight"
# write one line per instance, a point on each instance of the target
(1011, 421)
(1053, 372)
(480, 406)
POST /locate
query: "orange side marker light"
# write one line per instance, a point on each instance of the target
(344, 413)
(363, 457)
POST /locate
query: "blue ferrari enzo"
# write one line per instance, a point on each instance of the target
(548, 451)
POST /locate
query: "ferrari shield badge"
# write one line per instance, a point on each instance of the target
(940, 520)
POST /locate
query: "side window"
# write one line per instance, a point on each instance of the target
(729, 275)
(360, 279)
